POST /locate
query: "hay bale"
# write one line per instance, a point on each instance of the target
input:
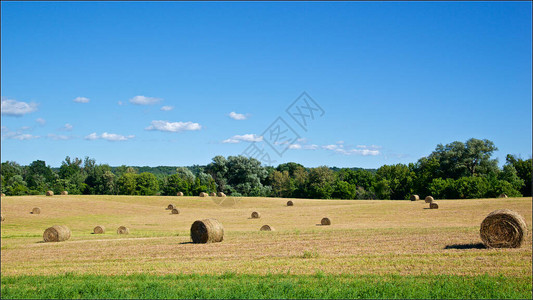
(325, 221)
(503, 195)
(256, 215)
(220, 194)
(57, 233)
(203, 194)
(290, 203)
(267, 228)
(3, 219)
(36, 211)
(49, 193)
(429, 199)
(415, 197)
(100, 229)
(212, 194)
(503, 228)
(179, 194)
(207, 231)
(170, 207)
(175, 211)
(3, 195)
(123, 230)
(433, 205)
(64, 193)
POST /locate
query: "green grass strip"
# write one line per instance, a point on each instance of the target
(233, 286)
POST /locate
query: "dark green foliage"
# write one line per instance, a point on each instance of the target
(280, 286)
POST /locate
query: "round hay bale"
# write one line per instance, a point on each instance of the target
(433, 205)
(175, 211)
(3, 195)
(256, 215)
(503, 195)
(123, 230)
(170, 207)
(3, 219)
(267, 228)
(179, 194)
(290, 203)
(49, 193)
(100, 229)
(429, 199)
(203, 194)
(64, 193)
(207, 231)
(36, 211)
(503, 228)
(212, 194)
(57, 233)
(220, 194)
(415, 197)
(325, 221)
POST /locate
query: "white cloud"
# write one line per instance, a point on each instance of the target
(236, 116)
(113, 137)
(142, 100)
(18, 135)
(24, 136)
(59, 137)
(167, 108)
(295, 146)
(41, 121)
(243, 138)
(310, 147)
(173, 126)
(81, 100)
(120, 103)
(17, 108)
(330, 147)
(364, 152)
(67, 127)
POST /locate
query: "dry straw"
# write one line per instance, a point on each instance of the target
(433, 205)
(267, 228)
(325, 221)
(220, 194)
(175, 211)
(100, 229)
(429, 199)
(64, 193)
(503, 196)
(203, 194)
(213, 194)
(256, 215)
(415, 198)
(179, 194)
(123, 230)
(290, 203)
(36, 211)
(57, 233)
(207, 231)
(503, 228)
(49, 193)
(170, 206)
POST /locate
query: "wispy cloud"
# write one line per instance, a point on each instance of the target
(58, 137)
(142, 100)
(236, 116)
(243, 138)
(167, 108)
(112, 137)
(17, 108)
(173, 126)
(18, 134)
(339, 147)
(41, 121)
(81, 100)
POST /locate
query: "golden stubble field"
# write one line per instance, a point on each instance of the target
(366, 237)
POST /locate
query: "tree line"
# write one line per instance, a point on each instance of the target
(454, 171)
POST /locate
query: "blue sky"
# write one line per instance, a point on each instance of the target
(173, 83)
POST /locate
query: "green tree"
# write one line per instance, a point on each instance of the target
(399, 178)
(146, 184)
(524, 171)
(344, 190)
(321, 182)
(281, 184)
(127, 184)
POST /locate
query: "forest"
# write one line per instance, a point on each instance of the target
(458, 170)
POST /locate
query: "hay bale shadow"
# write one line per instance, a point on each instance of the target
(466, 246)
(185, 243)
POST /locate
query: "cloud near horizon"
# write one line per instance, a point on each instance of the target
(243, 138)
(142, 100)
(173, 126)
(16, 108)
(112, 137)
(81, 100)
